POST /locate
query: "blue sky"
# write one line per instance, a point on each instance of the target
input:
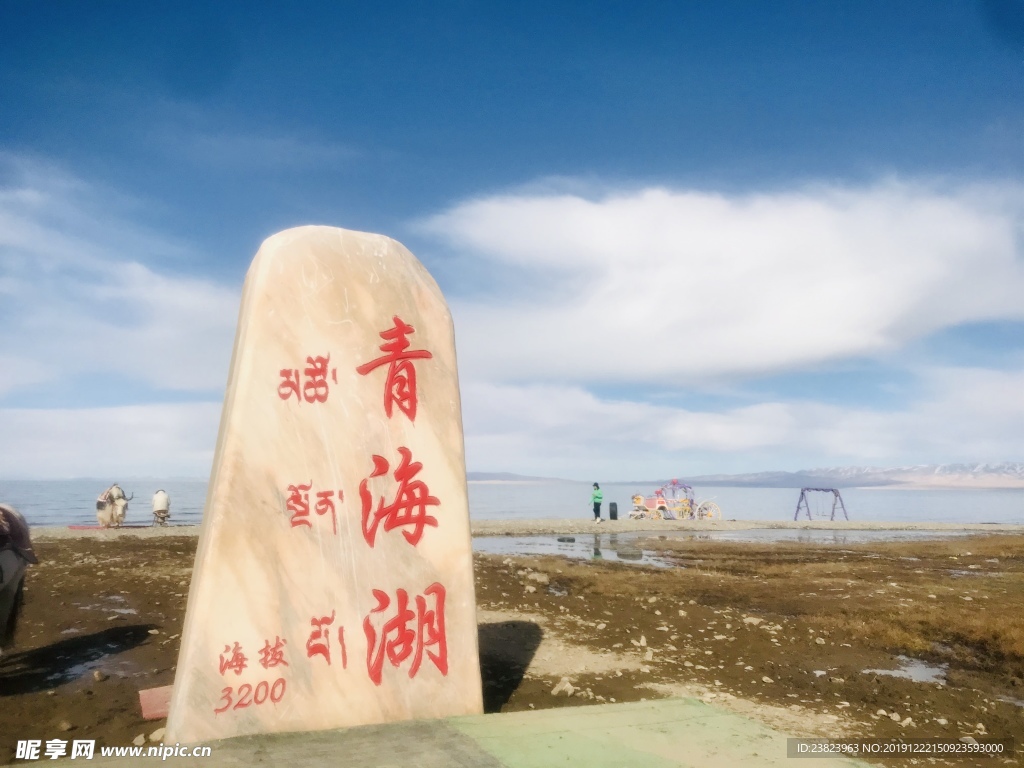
(676, 238)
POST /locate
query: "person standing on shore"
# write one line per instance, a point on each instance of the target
(161, 507)
(597, 497)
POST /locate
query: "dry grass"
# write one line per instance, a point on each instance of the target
(951, 600)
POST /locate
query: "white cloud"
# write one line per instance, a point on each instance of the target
(555, 430)
(679, 286)
(132, 441)
(78, 298)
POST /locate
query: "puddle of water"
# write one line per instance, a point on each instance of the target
(956, 574)
(1011, 700)
(120, 669)
(625, 547)
(610, 546)
(914, 669)
(813, 536)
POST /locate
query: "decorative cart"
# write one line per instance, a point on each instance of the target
(673, 501)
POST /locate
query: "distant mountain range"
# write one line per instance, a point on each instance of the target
(1004, 475)
(509, 477)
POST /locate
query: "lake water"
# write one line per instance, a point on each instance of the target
(65, 502)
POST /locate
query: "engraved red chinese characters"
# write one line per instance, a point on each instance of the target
(400, 385)
(273, 655)
(399, 641)
(232, 658)
(409, 507)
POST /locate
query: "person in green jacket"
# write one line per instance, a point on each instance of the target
(597, 497)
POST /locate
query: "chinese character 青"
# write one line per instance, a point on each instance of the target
(400, 384)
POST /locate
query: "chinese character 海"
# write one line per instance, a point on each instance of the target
(398, 640)
(409, 507)
(273, 655)
(236, 659)
(400, 385)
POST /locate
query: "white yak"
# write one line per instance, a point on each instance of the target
(112, 506)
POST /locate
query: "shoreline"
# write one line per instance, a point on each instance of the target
(556, 527)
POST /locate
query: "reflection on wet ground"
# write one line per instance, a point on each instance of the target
(610, 546)
(627, 546)
(914, 669)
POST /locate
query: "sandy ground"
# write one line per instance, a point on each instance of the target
(780, 632)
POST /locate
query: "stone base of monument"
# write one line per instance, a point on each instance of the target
(666, 733)
(155, 702)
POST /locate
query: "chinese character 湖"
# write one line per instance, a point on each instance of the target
(398, 640)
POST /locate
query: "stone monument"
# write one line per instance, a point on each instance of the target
(333, 585)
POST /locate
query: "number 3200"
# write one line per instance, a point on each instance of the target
(247, 695)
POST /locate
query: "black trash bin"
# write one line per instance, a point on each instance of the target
(613, 510)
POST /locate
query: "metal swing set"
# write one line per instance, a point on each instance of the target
(804, 502)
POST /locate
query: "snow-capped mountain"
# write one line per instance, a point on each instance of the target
(1003, 475)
